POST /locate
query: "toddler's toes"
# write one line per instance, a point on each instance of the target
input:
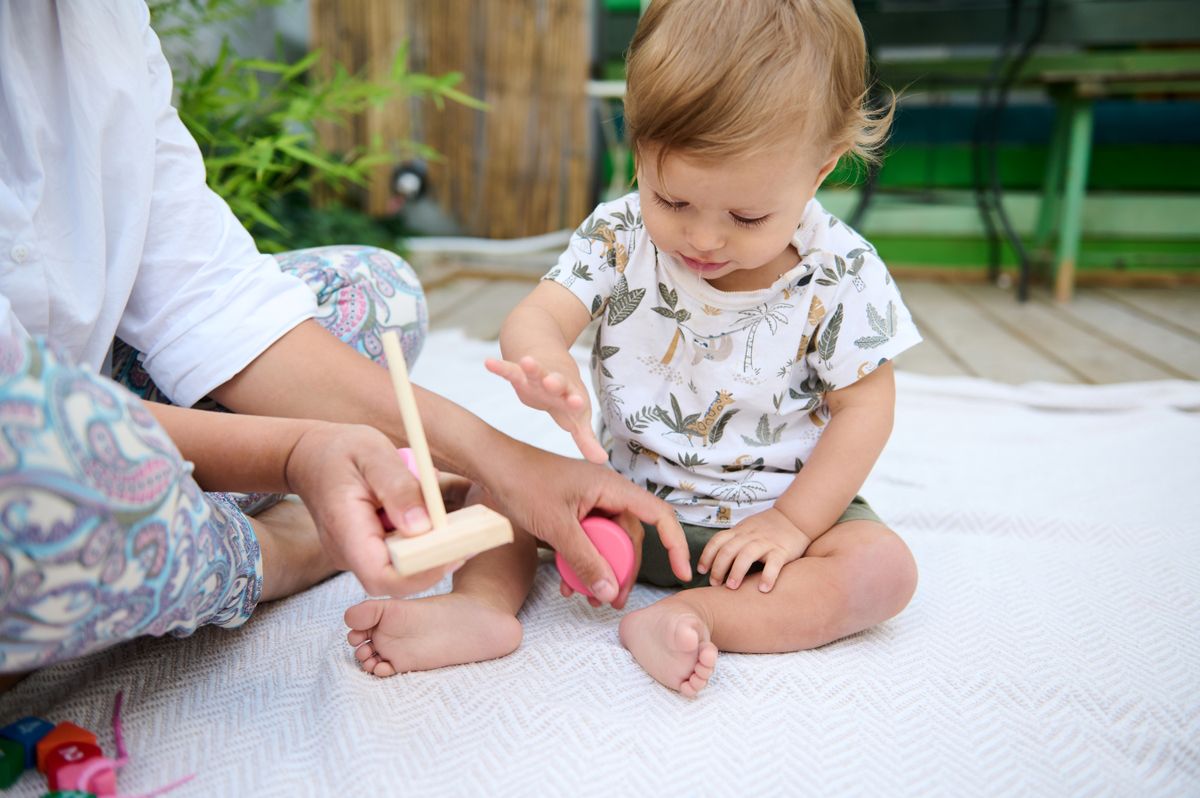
(364, 616)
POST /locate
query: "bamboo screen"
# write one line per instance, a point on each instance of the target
(520, 168)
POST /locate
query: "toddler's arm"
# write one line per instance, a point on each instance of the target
(859, 426)
(535, 340)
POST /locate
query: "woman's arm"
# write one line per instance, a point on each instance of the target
(310, 374)
(344, 474)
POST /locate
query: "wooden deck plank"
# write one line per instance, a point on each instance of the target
(1177, 308)
(1047, 328)
(1112, 324)
(970, 330)
(449, 300)
(975, 339)
(482, 315)
(931, 356)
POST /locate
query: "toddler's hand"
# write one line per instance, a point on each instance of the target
(562, 396)
(767, 537)
(344, 473)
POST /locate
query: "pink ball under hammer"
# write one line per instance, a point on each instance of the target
(614, 545)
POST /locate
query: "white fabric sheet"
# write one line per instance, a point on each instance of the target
(1052, 648)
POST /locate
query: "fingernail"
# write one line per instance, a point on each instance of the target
(764, 587)
(456, 566)
(416, 520)
(700, 569)
(604, 590)
(731, 584)
(715, 582)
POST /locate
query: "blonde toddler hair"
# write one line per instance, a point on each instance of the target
(720, 78)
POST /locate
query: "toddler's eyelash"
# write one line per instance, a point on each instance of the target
(740, 221)
(671, 206)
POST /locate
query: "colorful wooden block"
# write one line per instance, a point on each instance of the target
(28, 732)
(63, 733)
(68, 794)
(12, 762)
(100, 779)
(66, 755)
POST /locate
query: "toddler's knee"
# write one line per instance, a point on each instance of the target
(897, 573)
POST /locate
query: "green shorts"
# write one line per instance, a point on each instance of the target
(656, 569)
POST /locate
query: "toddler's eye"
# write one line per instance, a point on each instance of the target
(744, 222)
(671, 206)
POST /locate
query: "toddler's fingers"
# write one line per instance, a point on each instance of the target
(533, 370)
(588, 445)
(554, 383)
(770, 573)
(704, 565)
(751, 553)
(724, 559)
(503, 368)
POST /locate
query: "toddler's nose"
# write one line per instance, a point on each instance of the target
(704, 241)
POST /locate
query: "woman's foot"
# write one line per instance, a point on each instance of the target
(396, 635)
(672, 644)
(292, 557)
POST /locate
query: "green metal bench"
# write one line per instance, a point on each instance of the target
(1073, 79)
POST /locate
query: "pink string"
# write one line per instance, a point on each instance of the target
(97, 765)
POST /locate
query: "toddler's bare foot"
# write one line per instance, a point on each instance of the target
(673, 646)
(395, 636)
(292, 556)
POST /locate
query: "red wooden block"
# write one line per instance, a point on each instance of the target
(61, 734)
(67, 754)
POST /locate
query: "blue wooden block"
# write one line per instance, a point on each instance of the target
(28, 732)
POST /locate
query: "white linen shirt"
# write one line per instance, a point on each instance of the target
(107, 227)
(711, 399)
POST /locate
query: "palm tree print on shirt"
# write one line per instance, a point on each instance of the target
(753, 318)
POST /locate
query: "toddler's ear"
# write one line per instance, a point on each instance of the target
(828, 167)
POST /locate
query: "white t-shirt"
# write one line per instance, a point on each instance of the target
(107, 227)
(713, 399)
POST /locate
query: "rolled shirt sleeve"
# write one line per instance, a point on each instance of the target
(205, 302)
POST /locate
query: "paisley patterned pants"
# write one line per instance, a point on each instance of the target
(104, 535)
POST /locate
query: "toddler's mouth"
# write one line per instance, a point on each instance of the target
(703, 265)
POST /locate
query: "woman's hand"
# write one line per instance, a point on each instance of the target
(767, 537)
(637, 534)
(345, 473)
(547, 495)
(561, 393)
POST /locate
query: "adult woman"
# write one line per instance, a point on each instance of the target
(108, 231)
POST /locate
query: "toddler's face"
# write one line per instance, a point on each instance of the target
(731, 222)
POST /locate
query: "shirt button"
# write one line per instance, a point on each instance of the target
(20, 253)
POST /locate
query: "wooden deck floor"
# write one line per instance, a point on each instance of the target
(1105, 335)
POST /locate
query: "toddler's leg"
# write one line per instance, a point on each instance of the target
(856, 575)
(476, 621)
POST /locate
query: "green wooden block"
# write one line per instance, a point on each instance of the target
(12, 762)
(68, 794)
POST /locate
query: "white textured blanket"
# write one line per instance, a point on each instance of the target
(1053, 646)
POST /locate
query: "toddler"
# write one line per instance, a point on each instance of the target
(742, 360)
